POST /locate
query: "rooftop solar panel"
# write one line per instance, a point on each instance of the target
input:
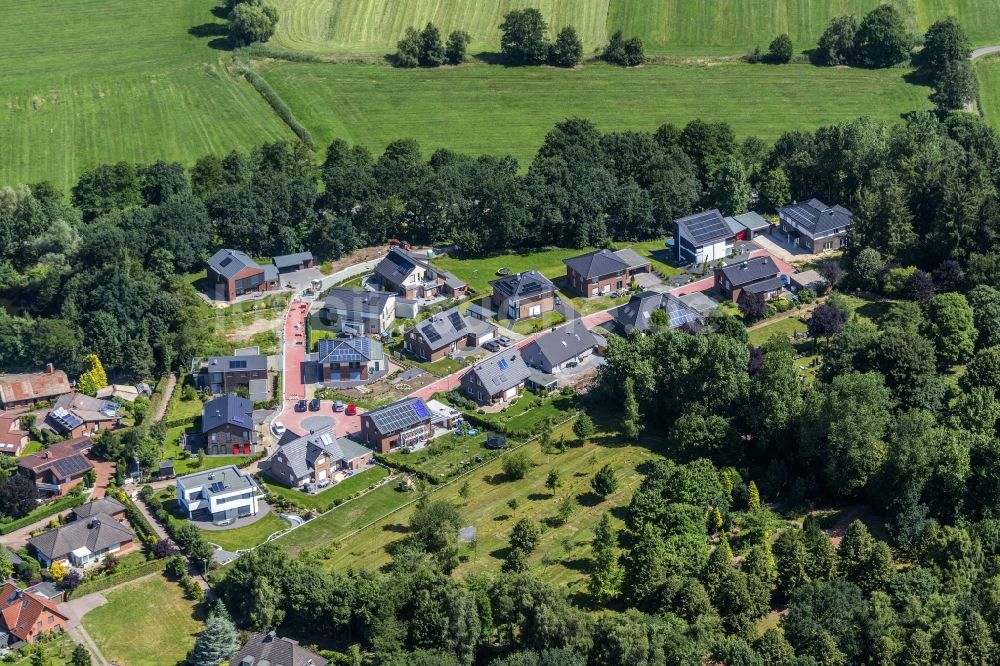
(431, 333)
(457, 321)
(225, 262)
(503, 364)
(421, 409)
(237, 364)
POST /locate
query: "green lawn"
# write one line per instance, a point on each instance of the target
(666, 26)
(32, 447)
(87, 83)
(240, 538)
(328, 529)
(477, 273)
(988, 72)
(179, 408)
(497, 110)
(148, 622)
(536, 324)
(528, 411)
(325, 500)
(446, 456)
(784, 327)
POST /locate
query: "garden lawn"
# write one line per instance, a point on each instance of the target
(496, 110)
(32, 447)
(87, 83)
(536, 324)
(182, 409)
(241, 538)
(562, 553)
(446, 456)
(783, 327)
(327, 530)
(477, 273)
(147, 622)
(988, 72)
(528, 412)
(58, 649)
(325, 500)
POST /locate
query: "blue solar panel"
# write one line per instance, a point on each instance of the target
(503, 364)
(420, 409)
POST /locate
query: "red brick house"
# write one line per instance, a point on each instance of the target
(526, 294)
(349, 359)
(231, 273)
(29, 389)
(406, 422)
(225, 374)
(433, 339)
(602, 272)
(316, 460)
(57, 469)
(227, 426)
(27, 615)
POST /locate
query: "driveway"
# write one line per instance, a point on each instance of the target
(303, 422)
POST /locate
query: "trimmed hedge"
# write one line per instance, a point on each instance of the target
(105, 582)
(43, 512)
(135, 517)
(271, 96)
(174, 423)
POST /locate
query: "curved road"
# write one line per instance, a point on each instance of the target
(979, 53)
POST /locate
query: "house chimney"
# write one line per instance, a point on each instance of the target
(49, 369)
(92, 524)
(269, 637)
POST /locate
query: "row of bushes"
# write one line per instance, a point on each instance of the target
(52, 508)
(138, 521)
(185, 421)
(104, 582)
(280, 107)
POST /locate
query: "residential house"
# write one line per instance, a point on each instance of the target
(525, 294)
(231, 274)
(76, 414)
(122, 392)
(601, 272)
(220, 495)
(499, 378)
(411, 276)
(316, 460)
(703, 237)
(28, 615)
(435, 338)
(349, 359)
(227, 426)
(12, 438)
(815, 226)
(271, 650)
(25, 390)
(289, 263)
(637, 314)
(103, 505)
(557, 349)
(361, 312)
(406, 422)
(759, 275)
(57, 469)
(84, 542)
(225, 374)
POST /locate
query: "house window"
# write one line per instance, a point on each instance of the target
(828, 245)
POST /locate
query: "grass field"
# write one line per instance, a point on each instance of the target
(988, 72)
(665, 26)
(325, 500)
(783, 327)
(495, 110)
(160, 628)
(240, 538)
(86, 83)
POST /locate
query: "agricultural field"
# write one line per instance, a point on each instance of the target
(168, 623)
(683, 27)
(86, 83)
(496, 110)
(988, 71)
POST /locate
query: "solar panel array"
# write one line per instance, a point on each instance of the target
(457, 321)
(705, 226)
(225, 262)
(399, 416)
(679, 314)
(420, 408)
(430, 333)
(235, 365)
(502, 363)
(66, 419)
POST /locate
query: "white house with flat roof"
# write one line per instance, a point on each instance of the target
(220, 494)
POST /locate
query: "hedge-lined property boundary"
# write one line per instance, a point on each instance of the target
(114, 579)
(43, 512)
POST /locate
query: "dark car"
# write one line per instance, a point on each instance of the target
(492, 346)
(300, 406)
(314, 405)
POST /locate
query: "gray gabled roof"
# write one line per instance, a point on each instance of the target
(348, 350)
(704, 227)
(502, 371)
(96, 533)
(358, 300)
(443, 329)
(816, 218)
(400, 415)
(396, 266)
(107, 505)
(526, 284)
(302, 452)
(769, 284)
(596, 264)
(751, 270)
(271, 650)
(228, 263)
(635, 315)
(230, 409)
(236, 363)
(289, 260)
(561, 344)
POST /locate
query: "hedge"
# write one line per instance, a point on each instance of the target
(43, 512)
(105, 582)
(174, 423)
(135, 517)
(271, 96)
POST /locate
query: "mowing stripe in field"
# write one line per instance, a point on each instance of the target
(988, 72)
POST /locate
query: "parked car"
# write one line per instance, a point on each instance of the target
(338, 406)
(491, 345)
(300, 406)
(314, 405)
(352, 410)
(278, 428)
(504, 341)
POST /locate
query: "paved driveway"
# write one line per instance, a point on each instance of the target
(303, 422)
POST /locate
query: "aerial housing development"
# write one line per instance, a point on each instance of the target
(500, 333)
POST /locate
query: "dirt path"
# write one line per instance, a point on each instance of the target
(161, 407)
(80, 635)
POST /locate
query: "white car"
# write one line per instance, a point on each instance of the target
(278, 428)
